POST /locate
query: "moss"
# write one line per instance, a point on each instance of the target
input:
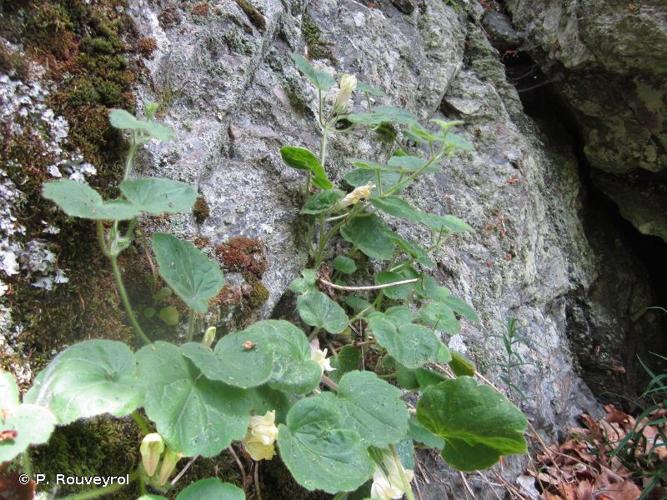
(201, 210)
(255, 16)
(317, 47)
(201, 9)
(98, 447)
(146, 46)
(243, 255)
(257, 295)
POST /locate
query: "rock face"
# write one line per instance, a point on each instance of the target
(610, 59)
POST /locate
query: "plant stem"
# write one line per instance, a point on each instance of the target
(329, 383)
(130, 156)
(126, 301)
(314, 333)
(98, 492)
(192, 322)
(404, 480)
(367, 287)
(141, 422)
(26, 462)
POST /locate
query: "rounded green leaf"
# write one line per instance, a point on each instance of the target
(347, 360)
(31, 424)
(88, 379)
(233, 362)
(159, 196)
(461, 365)
(213, 489)
(321, 202)
(398, 207)
(399, 315)
(298, 157)
(447, 223)
(477, 423)
(420, 434)
(372, 407)
(344, 264)
(78, 199)
(194, 277)
(360, 176)
(317, 309)
(370, 235)
(382, 114)
(399, 292)
(292, 369)
(440, 317)
(411, 345)
(318, 451)
(119, 118)
(321, 79)
(194, 415)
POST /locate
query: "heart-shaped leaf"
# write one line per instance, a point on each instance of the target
(212, 488)
(194, 415)
(190, 273)
(78, 199)
(411, 345)
(461, 365)
(347, 360)
(372, 407)
(448, 223)
(317, 309)
(90, 378)
(22, 425)
(370, 235)
(119, 118)
(344, 264)
(477, 423)
(319, 451)
(361, 177)
(303, 159)
(398, 292)
(321, 202)
(439, 316)
(158, 196)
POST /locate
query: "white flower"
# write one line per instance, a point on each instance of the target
(151, 450)
(169, 462)
(320, 357)
(261, 436)
(359, 193)
(209, 336)
(348, 83)
(387, 484)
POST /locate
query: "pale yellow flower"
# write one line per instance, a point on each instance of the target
(209, 336)
(261, 436)
(359, 193)
(151, 450)
(348, 83)
(387, 484)
(320, 357)
(169, 462)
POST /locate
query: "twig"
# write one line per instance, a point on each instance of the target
(184, 470)
(329, 383)
(368, 287)
(257, 489)
(465, 483)
(244, 476)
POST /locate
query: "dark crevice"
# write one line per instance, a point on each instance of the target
(630, 262)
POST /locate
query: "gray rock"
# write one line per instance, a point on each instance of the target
(235, 98)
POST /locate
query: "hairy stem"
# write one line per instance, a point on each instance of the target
(126, 301)
(192, 322)
(406, 484)
(141, 422)
(26, 463)
(130, 156)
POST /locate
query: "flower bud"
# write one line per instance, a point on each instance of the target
(209, 336)
(387, 483)
(151, 450)
(169, 462)
(348, 83)
(359, 193)
(320, 357)
(261, 436)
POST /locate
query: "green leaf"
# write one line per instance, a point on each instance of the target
(477, 423)
(87, 379)
(422, 435)
(232, 363)
(372, 407)
(321, 202)
(318, 310)
(399, 315)
(190, 273)
(429, 288)
(399, 292)
(414, 250)
(446, 125)
(158, 196)
(212, 488)
(317, 449)
(411, 164)
(361, 177)
(344, 264)
(321, 79)
(194, 415)
(292, 370)
(406, 377)
(305, 283)
(303, 159)
(398, 207)
(447, 223)
(119, 118)
(426, 377)
(347, 360)
(461, 365)
(370, 235)
(369, 89)
(454, 142)
(32, 424)
(383, 114)
(78, 199)
(460, 307)
(439, 316)
(411, 345)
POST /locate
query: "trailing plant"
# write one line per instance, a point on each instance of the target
(339, 422)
